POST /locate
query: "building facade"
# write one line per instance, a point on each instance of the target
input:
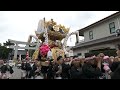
(21, 53)
(99, 35)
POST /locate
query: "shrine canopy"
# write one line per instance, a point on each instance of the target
(55, 31)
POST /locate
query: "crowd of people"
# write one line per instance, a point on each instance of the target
(6, 70)
(93, 67)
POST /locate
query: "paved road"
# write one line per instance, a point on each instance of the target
(17, 74)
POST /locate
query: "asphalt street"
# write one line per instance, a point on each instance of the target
(17, 74)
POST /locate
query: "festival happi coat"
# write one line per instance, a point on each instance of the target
(51, 34)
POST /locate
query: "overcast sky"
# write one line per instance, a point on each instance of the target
(18, 25)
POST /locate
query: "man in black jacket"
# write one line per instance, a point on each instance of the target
(115, 67)
(28, 69)
(76, 70)
(51, 72)
(23, 69)
(116, 73)
(59, 67)
(33, 69)
(63, 69)
(3, 71)
(6, 70)
(91, 70)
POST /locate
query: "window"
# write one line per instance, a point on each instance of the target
(90, 35)
(112, 27)
(79, 54)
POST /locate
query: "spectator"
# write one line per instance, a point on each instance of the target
(23, 70)
(76, 70)
(91, 69)
(28, 69)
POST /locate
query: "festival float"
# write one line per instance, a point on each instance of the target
(49, 36)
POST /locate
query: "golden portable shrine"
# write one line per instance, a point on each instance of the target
(51, 35)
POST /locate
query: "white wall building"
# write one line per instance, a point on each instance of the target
(99, 35)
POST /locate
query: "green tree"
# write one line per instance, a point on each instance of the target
(8, 43)
(0, 44)
(4, 52)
